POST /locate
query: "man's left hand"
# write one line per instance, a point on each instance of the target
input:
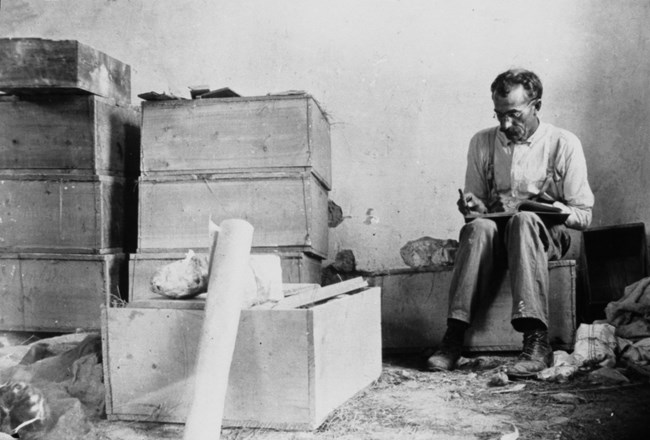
(565, 209)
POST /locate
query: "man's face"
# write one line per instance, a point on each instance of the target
(516, 113)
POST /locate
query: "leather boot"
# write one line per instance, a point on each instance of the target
(446, 357)
(536, 355)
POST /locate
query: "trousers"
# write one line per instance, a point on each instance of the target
(524, 245)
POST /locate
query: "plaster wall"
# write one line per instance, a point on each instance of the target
(405, 83)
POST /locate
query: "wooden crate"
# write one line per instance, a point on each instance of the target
(612, 258)
(414, 310)
(290, 368)
(57, 292)
(297, 267)
(68, 134)
(36, 65)
(235, 134)
(286, 210)
(66, 214)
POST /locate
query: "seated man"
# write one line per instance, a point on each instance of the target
(521, 159)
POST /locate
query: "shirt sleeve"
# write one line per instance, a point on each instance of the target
(577, 192)
(475, 178)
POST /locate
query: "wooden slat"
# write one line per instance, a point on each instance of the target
(154, 301)
(354, 361)
(322, 294)
(295, 289)
(68, 134)
(57, 292)
(73, 214)
(286, 211)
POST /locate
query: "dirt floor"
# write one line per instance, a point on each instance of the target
(404, 403)
(407, 403)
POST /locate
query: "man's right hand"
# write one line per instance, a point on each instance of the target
(468, 203)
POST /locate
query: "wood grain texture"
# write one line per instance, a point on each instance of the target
(414, 311)
(35, 65)
(57, 292)
(322, 294)
(290, 367)
(68, 134)
(286, 209)
(65, 214)
(235, 134)
(349, 358)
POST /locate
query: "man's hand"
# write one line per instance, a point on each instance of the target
(565, 209)
(468, 203)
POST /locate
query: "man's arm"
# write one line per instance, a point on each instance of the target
(577, 193)
(475, 178)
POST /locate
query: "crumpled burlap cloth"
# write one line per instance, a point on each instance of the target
(631, 314)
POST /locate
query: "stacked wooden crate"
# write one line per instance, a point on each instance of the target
(68, 137)
(264, 159)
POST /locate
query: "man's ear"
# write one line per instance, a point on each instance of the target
(538, 105)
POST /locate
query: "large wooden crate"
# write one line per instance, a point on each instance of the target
(57, 292)
(35, 65)
(415, 303)
(66, 214)
(68, 134)
(290, 368)
(235, 134)
(286, 210)
(297, 267)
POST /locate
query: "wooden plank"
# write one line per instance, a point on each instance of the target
(108, 398)
(351, 363)
(12, 312)
(295, 289)
(236, 134)
(68, 134)
(322, 294)
(35, 65)
(287, 210)
(198, 303)
(65, 214)
(58, 292)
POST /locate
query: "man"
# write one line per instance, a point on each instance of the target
(520, 159)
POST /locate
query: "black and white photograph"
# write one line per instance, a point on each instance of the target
(324, 220)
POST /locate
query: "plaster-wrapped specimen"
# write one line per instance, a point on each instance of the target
(427, 251)
(183, 278)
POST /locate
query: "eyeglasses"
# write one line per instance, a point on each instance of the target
(514, 114)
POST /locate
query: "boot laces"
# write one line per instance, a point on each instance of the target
(534, 344)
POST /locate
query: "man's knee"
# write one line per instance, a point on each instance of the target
(524, 218)
(478, 229)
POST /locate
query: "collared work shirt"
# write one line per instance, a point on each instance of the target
(520, 170)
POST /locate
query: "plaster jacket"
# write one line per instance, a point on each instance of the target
(520, 170)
